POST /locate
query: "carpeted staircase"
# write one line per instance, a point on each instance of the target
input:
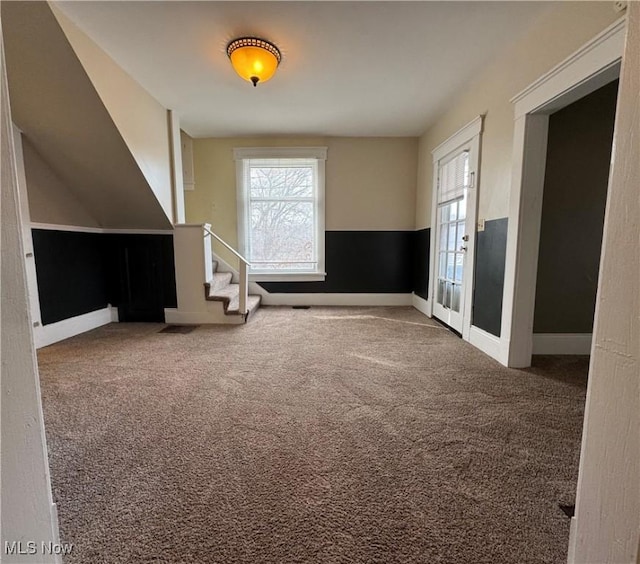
(221, 289)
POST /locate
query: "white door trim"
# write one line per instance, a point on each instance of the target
(470, 134)
(589, 68)
(600, 54)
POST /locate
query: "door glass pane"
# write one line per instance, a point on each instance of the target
(450, 265)
(441, 285)
(451, 241)
(443, 265)
(459, 267)
(443, 236)
(453, 211)
(455, 300)
(462, 209)
(447, 297)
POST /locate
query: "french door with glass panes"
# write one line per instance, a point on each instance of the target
(454, 234)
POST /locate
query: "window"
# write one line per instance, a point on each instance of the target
(281, 211)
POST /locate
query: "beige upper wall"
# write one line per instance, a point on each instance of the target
(50, 201)
(370, 182)
(548, 42)
(140, 118)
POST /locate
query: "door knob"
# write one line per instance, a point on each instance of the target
(463, 247)
(465, 237)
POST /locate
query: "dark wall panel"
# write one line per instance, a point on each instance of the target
(491, 249)
(575, 194)
(361, 261)
(82, 272)
(142, 281)
(71, 273)
(422, 242)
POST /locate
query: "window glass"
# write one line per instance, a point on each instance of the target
(282, 235)
(281, 210)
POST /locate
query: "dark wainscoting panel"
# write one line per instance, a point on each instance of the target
(422, 243)
(491, 249)
(142, 276)
(81, 272)
(71, 273)
(361, 262)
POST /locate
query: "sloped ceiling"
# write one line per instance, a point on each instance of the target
(57, 108)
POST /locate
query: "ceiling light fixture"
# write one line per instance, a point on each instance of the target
(254, 59)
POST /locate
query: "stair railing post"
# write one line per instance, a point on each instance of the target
(244, 287)
(208, 258)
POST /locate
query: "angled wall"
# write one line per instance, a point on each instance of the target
(58, 109)
(50, 200)
(139, 117)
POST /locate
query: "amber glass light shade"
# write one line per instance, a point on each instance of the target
(255, 60)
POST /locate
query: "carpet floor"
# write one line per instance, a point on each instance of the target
(326, 435)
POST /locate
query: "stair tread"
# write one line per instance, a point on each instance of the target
(253, 301)
(220, 288)
(229, 292)
(219, 281)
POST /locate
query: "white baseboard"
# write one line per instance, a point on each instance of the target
(562, 343)
(422, 305)
(322, 299)
(205, 317)
(54, 332)
(487, 343)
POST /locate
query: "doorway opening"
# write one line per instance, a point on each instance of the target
(594, 65)
(578, 156)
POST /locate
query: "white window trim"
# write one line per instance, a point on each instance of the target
(320, 154)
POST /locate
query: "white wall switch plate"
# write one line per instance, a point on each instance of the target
(481, 225)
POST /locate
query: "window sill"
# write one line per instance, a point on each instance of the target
(288, 277)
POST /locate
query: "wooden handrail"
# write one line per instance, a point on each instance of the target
(226, 245)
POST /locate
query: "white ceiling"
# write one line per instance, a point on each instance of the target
(348, 68)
